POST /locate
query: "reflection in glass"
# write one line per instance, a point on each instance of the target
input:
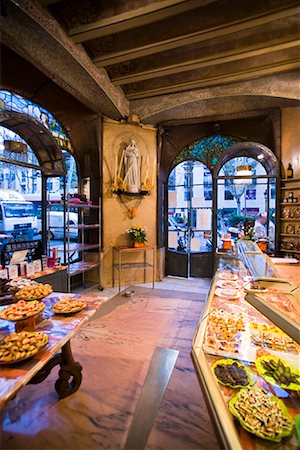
(246, 199)
(189, 208)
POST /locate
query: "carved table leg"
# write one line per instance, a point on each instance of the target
(69, 374)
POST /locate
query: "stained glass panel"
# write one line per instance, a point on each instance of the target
(17, 103)
(208, 150)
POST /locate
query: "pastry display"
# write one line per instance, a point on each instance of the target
(68, 305)
(231, 373)
(272, 338)
(227, 284)
(22, 310)
(228, 276)
(278, 371)
(34, 292)
(228, 293)
(19, 283)
(263, 415)
(19, 346)
(224, 332)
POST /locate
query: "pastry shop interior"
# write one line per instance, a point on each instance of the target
(150, 225)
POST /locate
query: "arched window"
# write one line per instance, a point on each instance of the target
(37, 168)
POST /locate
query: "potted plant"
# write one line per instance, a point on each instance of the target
(138, 235)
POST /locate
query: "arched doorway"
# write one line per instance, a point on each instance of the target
(198, 182)
(192, 201)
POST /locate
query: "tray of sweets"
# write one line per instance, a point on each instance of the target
(233, 334)
(22, 310)
(232, 373)
(278, 371)
(68, 305)
(36, 291)
(261, 414)
(227, 276)
(20, 346)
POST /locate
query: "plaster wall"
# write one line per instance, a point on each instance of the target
(291, 140)
(116, 220)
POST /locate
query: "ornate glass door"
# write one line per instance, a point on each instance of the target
(189, 250)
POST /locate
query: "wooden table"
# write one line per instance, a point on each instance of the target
(59, 329)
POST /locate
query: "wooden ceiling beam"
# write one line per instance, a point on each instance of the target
(211, 60)
(193, 38)
(48, 2)
(132, 19)
(235, 77)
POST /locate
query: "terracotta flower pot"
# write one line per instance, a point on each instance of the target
(139, 244)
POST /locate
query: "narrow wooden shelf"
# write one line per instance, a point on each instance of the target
(289, 204)
(289, 180)
(290, 235)
(289, 188)
(290, 220)
(289, 251)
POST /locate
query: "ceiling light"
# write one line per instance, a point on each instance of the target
(243, 171)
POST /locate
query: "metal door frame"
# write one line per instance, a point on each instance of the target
(189, 209)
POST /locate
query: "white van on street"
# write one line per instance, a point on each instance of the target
(17, 216)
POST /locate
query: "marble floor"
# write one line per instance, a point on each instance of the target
(139, 387)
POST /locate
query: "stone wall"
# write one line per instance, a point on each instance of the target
(118, 209)
(291, 140)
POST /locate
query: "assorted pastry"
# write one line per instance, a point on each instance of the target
(227, 284)
(68, 305)
(227, 276)
(22, 310)
(18, 283)
(272, 338)
(34, 292)
(19, 346)
(224, 332)
(229, 293)
(263, 415)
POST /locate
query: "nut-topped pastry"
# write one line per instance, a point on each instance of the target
(35, 292)
(68, 305)
(19, 346)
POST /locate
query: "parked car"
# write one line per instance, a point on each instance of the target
(173, 225)
(56, 225)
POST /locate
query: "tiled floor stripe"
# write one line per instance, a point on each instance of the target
(160, 370)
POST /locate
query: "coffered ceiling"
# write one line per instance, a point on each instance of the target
(168, 60)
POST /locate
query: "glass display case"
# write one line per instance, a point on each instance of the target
(247, 366)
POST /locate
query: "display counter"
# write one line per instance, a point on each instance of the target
(247, 366)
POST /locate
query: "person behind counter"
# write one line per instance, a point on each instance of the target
(260, 230)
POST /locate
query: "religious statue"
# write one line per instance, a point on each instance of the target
(132, 164)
